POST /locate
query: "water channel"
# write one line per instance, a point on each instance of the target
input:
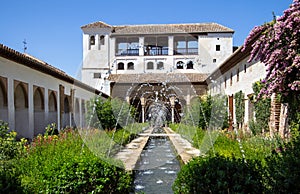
(158, 166)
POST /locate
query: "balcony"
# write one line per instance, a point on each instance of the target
(186, 51)
(155, 50)
(127, 52)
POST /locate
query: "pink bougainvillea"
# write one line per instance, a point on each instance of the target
(277, 45)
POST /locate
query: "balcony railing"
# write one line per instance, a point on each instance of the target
(127, 52)
(156, 51)
(186, 51)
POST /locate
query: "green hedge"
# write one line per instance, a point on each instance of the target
(219, 174)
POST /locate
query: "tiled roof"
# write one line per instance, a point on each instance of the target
(162, 28)
(158, 78)
(96, 25)
(36, 64)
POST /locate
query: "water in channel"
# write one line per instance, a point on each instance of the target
(158, 166)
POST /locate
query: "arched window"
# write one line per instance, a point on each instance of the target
(179, 65)
(190, 65)
(102, 40)
(160, 65)
(130, 66)
(38, 100)
(52, 104)
(150, 65)
(120, 66)
(92, 40)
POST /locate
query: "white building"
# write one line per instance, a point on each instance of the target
(34, 94)
(236, 74)
(157, 49)
(119, 58)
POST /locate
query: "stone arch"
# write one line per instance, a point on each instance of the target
(52, 107)
(39, 111)
(66, 113)
(21, 110)
(3, 101)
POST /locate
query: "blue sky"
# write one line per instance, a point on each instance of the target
(52, 28)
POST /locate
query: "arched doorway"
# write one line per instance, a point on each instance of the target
(52, 107)
(21, 111)
(3, 102)
(66, 115)
(39, 111)
(77, 114)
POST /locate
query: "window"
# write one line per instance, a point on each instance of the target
(156, 46)
(218, 47)
(214, 60)
(97, 75)
(102, 40)
(130, 65)
(185, 45)
(121, 66)
(190, 65)
(225, 81)
(231, 79)
(237, 74)
(179, 65)
(92, 40)
(245, 68)
(150, 65)
(127, 46)
(160, 65)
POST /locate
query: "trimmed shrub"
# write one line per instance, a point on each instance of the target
(219, 175)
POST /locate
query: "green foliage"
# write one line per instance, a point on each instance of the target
(109, 114)
(219, 112)
(10, 149)
(219, 174)
(262, 110)
(283, 168)
(207, 112)
(239, 107)
(63, 164)
(51, 129)
(270, 166)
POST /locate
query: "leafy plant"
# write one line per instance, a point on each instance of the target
(262, 110)
(239, 108)
(65, 165)
(10, 149)
(219, 174)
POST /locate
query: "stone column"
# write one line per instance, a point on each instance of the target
(143, 109)
(171, 45)
(30, 110)
(61, 94)
(141, 46)
(72, 108)
(128, 99)
(172, 101)
(11, 103)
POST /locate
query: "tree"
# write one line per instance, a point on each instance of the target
(277, 44)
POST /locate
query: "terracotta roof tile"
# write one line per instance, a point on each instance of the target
(39, 65)
(98, 24)
(161, 28)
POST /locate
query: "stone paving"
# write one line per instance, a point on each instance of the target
(132, 151)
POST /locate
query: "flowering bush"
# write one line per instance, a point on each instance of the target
(277, 45)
